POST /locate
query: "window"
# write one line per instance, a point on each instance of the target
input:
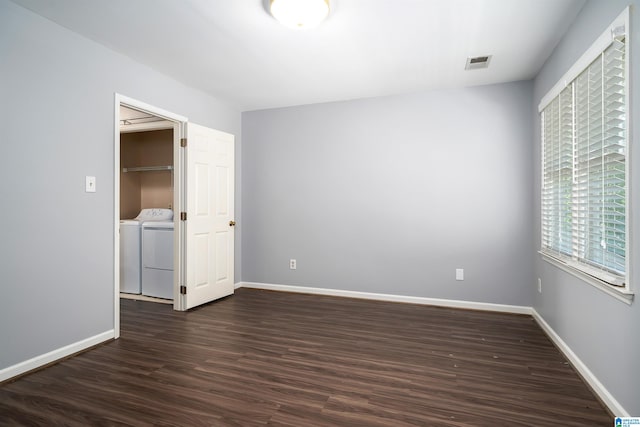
(584, 132)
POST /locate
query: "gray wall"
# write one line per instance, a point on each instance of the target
(57, 107)
(382, 195)
(603, 332)
(391, 195)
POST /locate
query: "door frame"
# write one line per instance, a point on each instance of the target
(179, 124)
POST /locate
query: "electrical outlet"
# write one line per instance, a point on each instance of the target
(292, 264)
(459, 273)
(539, 285)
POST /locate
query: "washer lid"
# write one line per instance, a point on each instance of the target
(129, 222)
(155, 214)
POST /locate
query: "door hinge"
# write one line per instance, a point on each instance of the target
(183, 216)
(183, 142)
(183, 290)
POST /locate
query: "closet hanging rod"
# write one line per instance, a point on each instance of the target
(148, 168)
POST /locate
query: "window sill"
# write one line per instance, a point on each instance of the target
(620, 294)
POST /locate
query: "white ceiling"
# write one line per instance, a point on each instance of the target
(235, 50)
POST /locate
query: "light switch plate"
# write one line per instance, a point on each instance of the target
(459, 274)
(90, 184)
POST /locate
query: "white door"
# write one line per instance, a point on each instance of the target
(209, 225)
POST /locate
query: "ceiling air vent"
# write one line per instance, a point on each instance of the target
(478, 62)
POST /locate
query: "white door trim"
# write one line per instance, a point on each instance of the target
(178, 121)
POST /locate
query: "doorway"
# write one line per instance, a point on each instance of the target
(199, 188)
(133, 116)
(146, 206)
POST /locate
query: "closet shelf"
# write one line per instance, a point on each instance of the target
(148, 168)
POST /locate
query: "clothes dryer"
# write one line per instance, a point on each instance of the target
(130, 256)
(157, 259)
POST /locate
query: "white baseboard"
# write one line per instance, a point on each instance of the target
(604, 395)
(52, 356)
(517, 309)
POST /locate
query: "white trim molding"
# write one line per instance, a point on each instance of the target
(54, 356)
(469, 305)
(605, 396)
(619, 293)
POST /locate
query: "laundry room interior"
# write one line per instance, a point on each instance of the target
(146, 206)
(151, 187)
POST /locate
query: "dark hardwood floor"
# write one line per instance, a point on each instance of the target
(279, 359)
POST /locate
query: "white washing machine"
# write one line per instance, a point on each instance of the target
(130, 256)
(130, 247)
(157, 259)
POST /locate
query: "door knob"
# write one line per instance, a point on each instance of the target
(232, 223)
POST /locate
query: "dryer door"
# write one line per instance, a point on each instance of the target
(157, 248)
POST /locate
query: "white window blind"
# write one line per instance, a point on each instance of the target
(584, 179)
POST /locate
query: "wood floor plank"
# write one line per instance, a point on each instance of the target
(262, 358)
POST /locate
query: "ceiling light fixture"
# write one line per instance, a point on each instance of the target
(300, 14)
